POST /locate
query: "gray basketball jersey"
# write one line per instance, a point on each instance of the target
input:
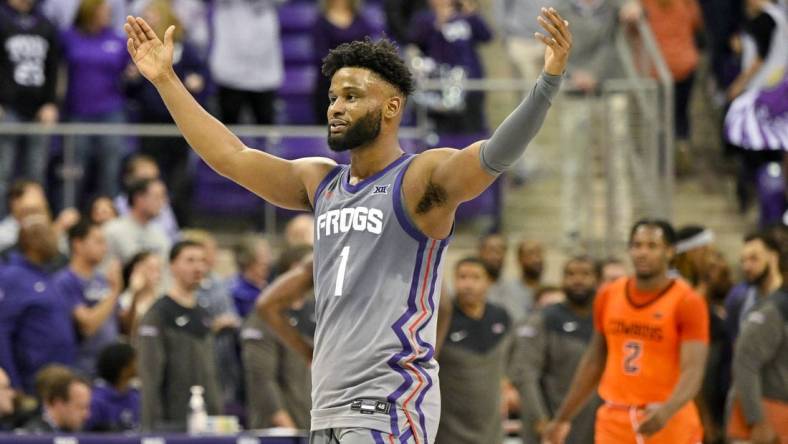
(377, 280)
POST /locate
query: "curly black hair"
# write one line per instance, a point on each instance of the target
(379, 56)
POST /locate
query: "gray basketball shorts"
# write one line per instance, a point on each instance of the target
(353, 436)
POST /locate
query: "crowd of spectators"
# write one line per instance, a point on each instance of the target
(84, 301)
(99, 311)
(545, 330)
(232, 58)
(107, 330)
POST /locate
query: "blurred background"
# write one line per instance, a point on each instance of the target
(675, 109)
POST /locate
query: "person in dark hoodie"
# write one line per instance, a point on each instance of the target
(28, 74)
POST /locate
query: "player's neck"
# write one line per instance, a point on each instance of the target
(182, 297)
(81, 267)
(582, 311)
(139, 216)
(366, 161)
(771, 284)
(473, 310)
(652, 284)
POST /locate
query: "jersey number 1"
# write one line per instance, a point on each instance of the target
(633, 351)
(341, 273)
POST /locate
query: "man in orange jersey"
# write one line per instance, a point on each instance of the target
(647, 354)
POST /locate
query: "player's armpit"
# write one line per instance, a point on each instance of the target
(460, 173)
(437, 181)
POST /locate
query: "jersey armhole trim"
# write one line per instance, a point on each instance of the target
(323, 184)
(401, 212)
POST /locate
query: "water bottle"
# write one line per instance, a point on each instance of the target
(198, 419)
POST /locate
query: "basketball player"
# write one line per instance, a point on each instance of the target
(382, 224)
(648, 352)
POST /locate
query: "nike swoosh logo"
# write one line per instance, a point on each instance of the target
(458, 336)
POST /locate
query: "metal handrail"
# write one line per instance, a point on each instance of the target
(666, 80)
(274, 133)
(170, 130)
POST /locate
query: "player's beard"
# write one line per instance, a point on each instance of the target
(364, 131)
(533, 272)
(761, 278)
(580, 298)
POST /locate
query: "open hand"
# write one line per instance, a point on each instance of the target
(152, 57)
(656, 418)
(763, 433)
(556, 432)
(558, 41)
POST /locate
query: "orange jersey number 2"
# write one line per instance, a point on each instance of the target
(633, 351)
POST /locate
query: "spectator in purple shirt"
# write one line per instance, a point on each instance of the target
(91, 296)
(28, 76)
(35, 326)
(115, 404)
(253, 257)
(97, 61)
(340, 21)
(449, 33)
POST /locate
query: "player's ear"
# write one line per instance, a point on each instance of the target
(671, 253)
(393, 107)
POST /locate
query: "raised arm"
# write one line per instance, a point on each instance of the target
(468, 172)
(288, 184)
(90, 319)
(280, 295)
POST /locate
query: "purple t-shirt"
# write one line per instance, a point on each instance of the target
(95, 71)
(454, 43)
(111, 410)
(77, 291)
(244, 295)
(327, 36)
(35, 323)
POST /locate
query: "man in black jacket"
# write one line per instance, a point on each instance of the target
(28, 75)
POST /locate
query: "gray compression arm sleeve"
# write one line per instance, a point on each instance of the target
(508, 142)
